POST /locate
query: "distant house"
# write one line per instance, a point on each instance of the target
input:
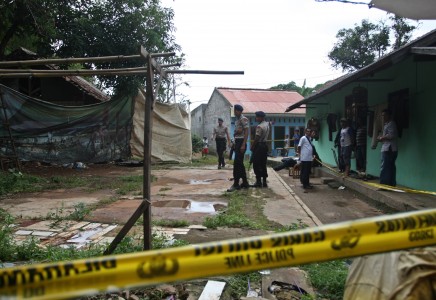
(197, 120)
(272, 102)
(404, 81)
(66, 90)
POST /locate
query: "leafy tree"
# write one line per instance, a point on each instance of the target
(402, 31)
(358, 47)
(292, 86)
(81, 28)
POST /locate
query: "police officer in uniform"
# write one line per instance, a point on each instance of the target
(220, 133)
(259, 150)
(240, 135)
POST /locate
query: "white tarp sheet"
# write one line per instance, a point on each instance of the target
(171, 134)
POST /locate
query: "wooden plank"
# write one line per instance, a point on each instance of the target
(212, 290)
(138, 212)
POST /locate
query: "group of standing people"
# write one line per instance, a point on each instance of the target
(349, 140)
(259, 148)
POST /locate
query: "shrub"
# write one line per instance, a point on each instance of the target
(197, 144)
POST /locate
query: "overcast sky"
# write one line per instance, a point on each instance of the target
(272, 41)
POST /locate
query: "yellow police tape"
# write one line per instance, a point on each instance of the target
(110, 273)
(382, 186)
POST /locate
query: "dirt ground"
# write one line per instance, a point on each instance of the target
(191, 194)
(181, 193)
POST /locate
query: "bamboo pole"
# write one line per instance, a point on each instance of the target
(71, 60)
(107, 72)
(70, 72)
(95, 72)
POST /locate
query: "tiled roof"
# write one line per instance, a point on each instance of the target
(269, 101)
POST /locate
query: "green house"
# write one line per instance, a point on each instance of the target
(404, 81)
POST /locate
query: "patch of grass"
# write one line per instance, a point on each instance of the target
(80, 212)
(244, 210)
(328, 278)
(293, 226)
(127, 184)
(170, 223)
(16, 182)
(239, 283)
(6, 241)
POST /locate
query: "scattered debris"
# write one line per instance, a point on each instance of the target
(212, 290)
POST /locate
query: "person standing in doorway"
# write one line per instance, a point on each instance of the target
(361, 145)
(347, 142)
(389, 149)
(296, 139)
(221, 135)
(305, 150)
(259, 150)
(240, 135)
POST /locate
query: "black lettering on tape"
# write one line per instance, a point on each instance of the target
(245, 245)
(237, 261)
(273, 256)
(420, 235)
(407, 223)
(298, 238)
(208, 250)
(50, 272)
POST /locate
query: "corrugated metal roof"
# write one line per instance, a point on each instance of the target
(269, 101)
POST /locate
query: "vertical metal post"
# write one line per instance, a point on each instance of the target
(148, 125)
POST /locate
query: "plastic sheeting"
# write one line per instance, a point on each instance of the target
(396, 275)
(52, 133)
(171, 134)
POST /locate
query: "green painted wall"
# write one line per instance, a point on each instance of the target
(416, 162)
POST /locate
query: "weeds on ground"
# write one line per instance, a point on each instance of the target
(16, 182)
(59, 214)
(293, 226)
(170, 223)
(243, 211)
(328, 278)
(239, 283)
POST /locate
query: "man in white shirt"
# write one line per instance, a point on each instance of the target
(389, 149)
(305, 151)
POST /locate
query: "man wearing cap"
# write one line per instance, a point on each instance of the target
(240, 135)
(259, 149)
(221, 135)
